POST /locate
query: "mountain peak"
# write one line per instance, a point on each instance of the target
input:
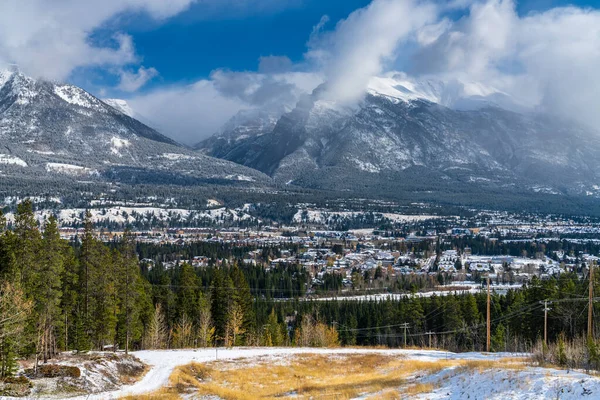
(50, 128)
(452, 93)
(120, 105)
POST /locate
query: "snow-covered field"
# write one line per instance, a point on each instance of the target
(122, 215)
(450, 383)
(328, 217)
(8, 159)
(469, 287)
(70, 169)
(501, 384)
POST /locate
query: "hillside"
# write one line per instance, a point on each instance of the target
(418, 136)
(51, 130)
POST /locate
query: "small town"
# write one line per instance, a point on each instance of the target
(432, 252)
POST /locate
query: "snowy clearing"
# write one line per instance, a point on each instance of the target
(450, 383)
(500, 384)
(70, 169)
(123, 215)
(324, 217)
(8, 159)
(472, 288)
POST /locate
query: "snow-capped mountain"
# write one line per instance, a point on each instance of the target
(439, 132)
(121, 105)
(49, 128)
(247, 124)
(453, 93)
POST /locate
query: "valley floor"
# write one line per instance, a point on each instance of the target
(427, 374)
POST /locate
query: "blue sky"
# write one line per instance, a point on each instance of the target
(192, 44)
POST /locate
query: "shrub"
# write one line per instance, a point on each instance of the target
(55, 371)
(18, 386)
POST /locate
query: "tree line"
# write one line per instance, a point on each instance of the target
(57, 295)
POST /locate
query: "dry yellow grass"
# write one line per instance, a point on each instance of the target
(308, 376)
(162, 394)
(418, 388)
(341, 376)
(511, 363)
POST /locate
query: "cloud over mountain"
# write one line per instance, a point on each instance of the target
(546, 60)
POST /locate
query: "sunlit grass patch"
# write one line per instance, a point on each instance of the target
(308, 376)
(320, 376)
(161, 394)
(418, 388)
(510, 363)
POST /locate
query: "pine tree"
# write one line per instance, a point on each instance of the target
(242, 296)
(48, 288)
(70, 296)
(129, 289)
(188, 293)
(15, 309)
(499, 339)
(102, 305)
(8, 262)
(273, 335)
(86, 262)
(221, 290)
(27, 244)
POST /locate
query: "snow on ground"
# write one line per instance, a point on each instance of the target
(327, 217)
(177, 157)
(70, 169)
(163, 362)
(117, 144)
(120, 105)
(471, 287)
(8, 159)
(499, 384)
(121, 215)
(73, 95)
(451, 383)
(212, 203)
(408, 218)
(240, 178)
(8, 200)
(42, 152)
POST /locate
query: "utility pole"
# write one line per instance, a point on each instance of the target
(488, 341)
(590, 328)
(405, 326)
(546, 309)
(429, 333)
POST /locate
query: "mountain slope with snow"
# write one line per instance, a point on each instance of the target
(442, 134)
(49, 128)
(243, 127)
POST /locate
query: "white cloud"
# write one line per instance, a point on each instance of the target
(361, 44)
(264, 89)
(132, 81)
(51, 38)
(548, 60)
(274, 64)
(560, 53)
(190, 113)
(186, 113)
